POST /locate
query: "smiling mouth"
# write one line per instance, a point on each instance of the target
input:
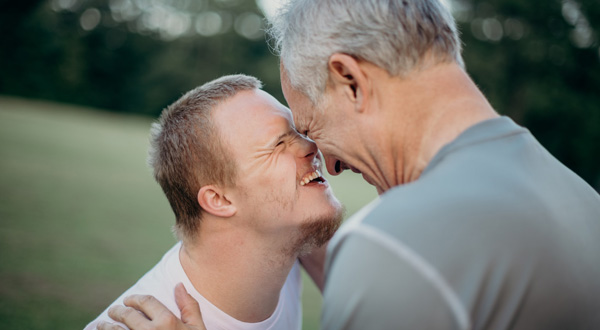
(312, 177)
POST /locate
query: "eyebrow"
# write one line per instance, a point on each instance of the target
(281, 136)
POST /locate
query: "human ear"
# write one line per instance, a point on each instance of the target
(214, 201)
(346, 73)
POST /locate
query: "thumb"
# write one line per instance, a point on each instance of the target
(190, 310)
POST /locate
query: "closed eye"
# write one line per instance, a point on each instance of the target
(279, 143)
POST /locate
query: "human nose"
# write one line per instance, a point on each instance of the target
(334, 166)
(307, 149)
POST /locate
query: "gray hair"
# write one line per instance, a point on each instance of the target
(393, 34)
(186, 150)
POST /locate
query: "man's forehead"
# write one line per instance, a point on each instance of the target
(250, 102)
(300, 121)
(299, 103)
(255, 116)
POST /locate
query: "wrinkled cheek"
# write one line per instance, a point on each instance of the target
(279, 182)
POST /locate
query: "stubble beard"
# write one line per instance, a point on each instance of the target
(315, 232)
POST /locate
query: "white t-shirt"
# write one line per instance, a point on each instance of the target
(160, 282)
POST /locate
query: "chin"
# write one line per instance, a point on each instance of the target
(319, 229)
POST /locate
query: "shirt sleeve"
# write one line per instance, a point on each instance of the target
(371, 285)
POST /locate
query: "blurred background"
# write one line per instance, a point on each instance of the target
(81, 218)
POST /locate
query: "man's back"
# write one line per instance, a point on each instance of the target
(495, 234)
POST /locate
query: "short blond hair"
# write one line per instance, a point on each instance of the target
(187, 151)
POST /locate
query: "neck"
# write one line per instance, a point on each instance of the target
(428, 109)
(235, 272)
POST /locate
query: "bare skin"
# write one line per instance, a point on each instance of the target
(259, 227)
(387, 128)
(156, 315)
(252, 228)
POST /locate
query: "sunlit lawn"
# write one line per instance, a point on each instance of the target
(81, 218)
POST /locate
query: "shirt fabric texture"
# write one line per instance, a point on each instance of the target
(161, 280)
(495, 234)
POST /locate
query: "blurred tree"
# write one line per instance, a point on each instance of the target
(537, 63)
(540, 64)
(129, 55)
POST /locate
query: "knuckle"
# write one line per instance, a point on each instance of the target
(113, 311)
(125, 313)
(145, 299)
(128, 312)
(108, 326)
(167, 320)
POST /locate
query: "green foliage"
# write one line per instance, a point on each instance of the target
(47, 54)
(537, 63)
(545, 76)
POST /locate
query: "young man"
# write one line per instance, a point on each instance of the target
(249, 199)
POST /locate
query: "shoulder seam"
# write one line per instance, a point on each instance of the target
(455, 147)
(353, 222)
(428, 271)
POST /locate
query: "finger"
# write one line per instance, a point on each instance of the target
(108, 326)
(128, 316)
(190, 310)
(146, 304)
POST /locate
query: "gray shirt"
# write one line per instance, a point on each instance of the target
(495, 234)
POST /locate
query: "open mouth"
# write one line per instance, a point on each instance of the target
(313, 177)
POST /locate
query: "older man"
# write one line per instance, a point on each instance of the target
(249, 199)
(478, 226)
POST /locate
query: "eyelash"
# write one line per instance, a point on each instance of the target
(279, 143)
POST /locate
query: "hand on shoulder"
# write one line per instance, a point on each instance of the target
(146, 312)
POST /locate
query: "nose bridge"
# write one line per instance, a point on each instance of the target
(307, 148)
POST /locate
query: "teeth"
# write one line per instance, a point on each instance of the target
(310, 177)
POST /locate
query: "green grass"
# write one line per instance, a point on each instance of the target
(81, 218)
